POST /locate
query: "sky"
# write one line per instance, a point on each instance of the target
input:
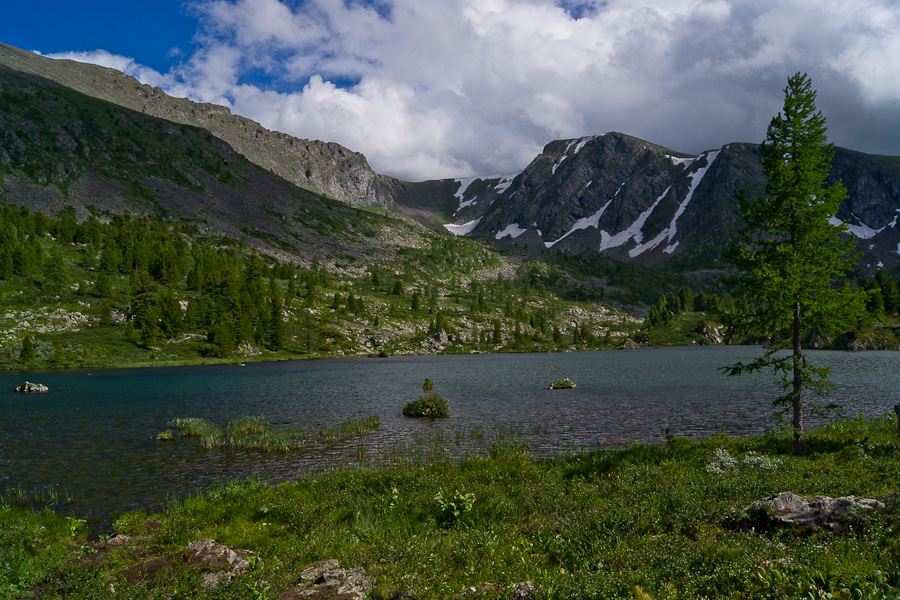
(430, 89)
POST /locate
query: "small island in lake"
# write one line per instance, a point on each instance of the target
(561, 384)
(29, 387)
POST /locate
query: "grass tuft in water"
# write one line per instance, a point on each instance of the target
(194, 427)
(247, 426)
(254, 433)
(355, 427)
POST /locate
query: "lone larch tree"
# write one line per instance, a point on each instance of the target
(793, 256)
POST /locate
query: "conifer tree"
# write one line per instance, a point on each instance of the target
(27, 354)
(792, 257)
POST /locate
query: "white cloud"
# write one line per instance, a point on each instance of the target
(463, 87)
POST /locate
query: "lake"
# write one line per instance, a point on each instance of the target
(90, 438)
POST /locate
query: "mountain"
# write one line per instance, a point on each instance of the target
(61, 150)
(615, 195)
(321, 167)
(635, 201)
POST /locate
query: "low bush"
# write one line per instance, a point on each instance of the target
(429, 405)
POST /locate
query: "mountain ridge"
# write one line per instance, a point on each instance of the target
(614, 194)
(321, 167)
(636, 201)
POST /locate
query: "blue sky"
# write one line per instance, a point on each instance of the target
(454, 88)
(126, 28)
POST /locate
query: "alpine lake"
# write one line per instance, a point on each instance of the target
(87, 447)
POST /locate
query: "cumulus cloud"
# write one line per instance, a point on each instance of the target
(464, 87)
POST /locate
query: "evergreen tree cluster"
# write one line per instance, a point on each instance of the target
(670, 306)
(163, 284)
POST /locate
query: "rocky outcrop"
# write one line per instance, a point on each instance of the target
(220, 563)
(327, 580)
(29, 387)
(856, 342)
(806, 515)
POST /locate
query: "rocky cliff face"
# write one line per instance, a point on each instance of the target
(636, 201)
(320, 167)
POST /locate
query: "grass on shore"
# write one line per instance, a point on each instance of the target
(646, 521)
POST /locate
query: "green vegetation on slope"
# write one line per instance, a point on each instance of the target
(136, 292)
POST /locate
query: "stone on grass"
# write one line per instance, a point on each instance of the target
(327, 580)
(810, 514)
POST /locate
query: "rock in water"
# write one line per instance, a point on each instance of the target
(32, 387)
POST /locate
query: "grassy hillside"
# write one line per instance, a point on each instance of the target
(136, 291)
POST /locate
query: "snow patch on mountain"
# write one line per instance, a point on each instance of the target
(686, 161)
(463, 229)
(463, 186)
(669, 232)
(505, 182)
(633, 231)
(512, 231)
(583, 223)
(862, 231)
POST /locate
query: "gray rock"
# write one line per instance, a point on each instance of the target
(812, 513)
(220, 562)
(115, 541)
(524, 590)
(326, 579)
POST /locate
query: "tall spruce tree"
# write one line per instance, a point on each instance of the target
(792, 257)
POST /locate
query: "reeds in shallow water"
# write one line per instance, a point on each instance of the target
(354, 427)
(247, 426)
(254, 433)
(195, 427)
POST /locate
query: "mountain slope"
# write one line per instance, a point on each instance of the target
(60, 148)
(635, 201)
(321, 167)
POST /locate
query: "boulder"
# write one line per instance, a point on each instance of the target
(326, 579)
(220, 562)
(807, 514)
(28, 387)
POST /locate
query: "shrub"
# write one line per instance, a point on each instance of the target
(454, 509)
(430, 405)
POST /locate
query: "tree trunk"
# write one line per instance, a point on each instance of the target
(797, 396)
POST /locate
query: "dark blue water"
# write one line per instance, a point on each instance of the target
(90, 439)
